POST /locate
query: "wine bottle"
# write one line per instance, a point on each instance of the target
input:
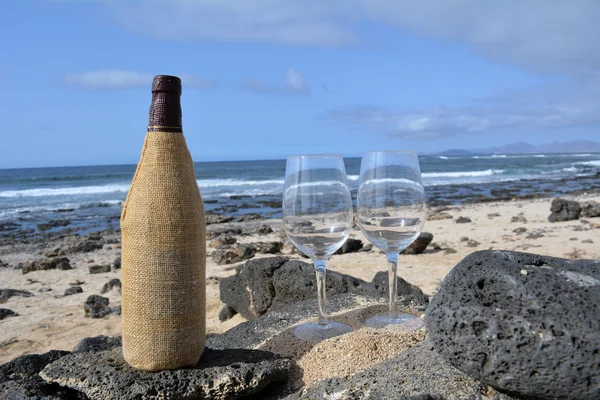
(164, 245)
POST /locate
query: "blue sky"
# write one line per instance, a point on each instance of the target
(266, 79)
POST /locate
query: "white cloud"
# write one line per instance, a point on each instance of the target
(552, 108)
(123, 79)
(294, 85)
(544, 35)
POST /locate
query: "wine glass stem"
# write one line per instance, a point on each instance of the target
(321, 269)
(392, 259)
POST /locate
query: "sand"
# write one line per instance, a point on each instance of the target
(49, 320)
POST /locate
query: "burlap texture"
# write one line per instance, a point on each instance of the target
(163, 259)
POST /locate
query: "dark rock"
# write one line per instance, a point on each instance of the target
(113, 283)
(268, 247)
(83, 245)
(438, 216)
(226, 313)
(409, 295)
(274, 282)
(270, 203)
(234, 254)
(520, 230)
(73, 290)
(419, 245)
(221, 241)
(217, 219)
(564, 210)
(43, 265)
(587, 241)
(262, 229)
(3, 264)
(5, 312)
(117, 263)
(493, 215)
(222, 230)
(52, 253)
(409, 375)
(6, 294)
(523, 323)
(450, 251)
(64, 266)
(248, 217)
(590, 209)
(518, 219)
(464, 239)
(463, 220)
(473, 243)
(53, 224)
(19, 379)
(45, 289)
(96, 306)
(350, 246)
(213, 201)
(98, 343)
(8, 226)
(99, 269)
(220, 374)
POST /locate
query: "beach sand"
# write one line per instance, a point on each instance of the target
(50, 320)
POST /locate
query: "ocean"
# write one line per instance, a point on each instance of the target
(90, 198)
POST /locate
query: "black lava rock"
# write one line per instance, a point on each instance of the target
(220, 374)
(113, 283)
(99, 269)
(117, 263)
(463, 220)
(266, 283)
(350, 246)
(419, 245)
(19, 379)
(73, 290)
(226, 313)
(64, 266)
(564, 210)
(98, 343)
(523, 323)
(6, 294)
(5, 313)
(96, 306)
(43, 265)
(590, 209)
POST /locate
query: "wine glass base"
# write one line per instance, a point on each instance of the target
(404, 323)
(313, 332)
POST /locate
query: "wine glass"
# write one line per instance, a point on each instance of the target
(391, 214)
(317, 218)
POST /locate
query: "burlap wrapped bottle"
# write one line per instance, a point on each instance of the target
(163, 245)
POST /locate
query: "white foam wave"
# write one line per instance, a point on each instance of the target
(442, 157)
(205, 183)
(595, 163)
(40, 192)
(570, 169)
(488, 172)
(353, 177)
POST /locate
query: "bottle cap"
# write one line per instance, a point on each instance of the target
(166, 83)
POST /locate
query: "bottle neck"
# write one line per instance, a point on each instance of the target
(165, 112)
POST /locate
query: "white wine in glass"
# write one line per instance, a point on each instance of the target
(391, 214)
(317, 218)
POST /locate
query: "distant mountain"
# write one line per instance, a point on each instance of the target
(575, 146)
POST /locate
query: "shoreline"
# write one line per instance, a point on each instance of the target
(50, 320)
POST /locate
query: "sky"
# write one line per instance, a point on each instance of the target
(265, 79)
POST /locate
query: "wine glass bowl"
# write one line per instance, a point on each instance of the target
(391, 213)
(317, 218)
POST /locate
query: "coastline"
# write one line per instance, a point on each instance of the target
(49, 320)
